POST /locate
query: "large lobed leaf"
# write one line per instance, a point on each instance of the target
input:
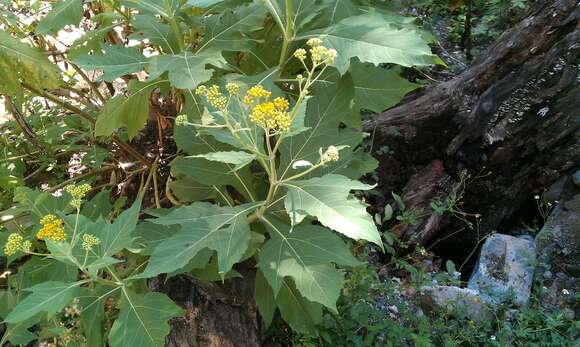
(305, 253)
(327, 198)
(143, 320)
(203, 225)
(375, 38)
(20, 62)
(49, 297)
(63, 13)
(116, 61)
(127, 111)
(229, 31)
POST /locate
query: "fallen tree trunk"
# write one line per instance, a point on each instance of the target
(512, 120)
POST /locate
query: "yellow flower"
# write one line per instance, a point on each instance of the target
(331, 54)
(201, 90)
(273, 114)
(89, 241)
(215, 97)
(77, 193)
(300, 54)
(232, 88)
(256, 92)
(180, 120)
(13, 244)
(314, 42)
(330, 155)
(51, 229)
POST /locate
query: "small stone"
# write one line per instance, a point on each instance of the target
(547, 275)
(568, 313)
(461, 302)
(393, 309)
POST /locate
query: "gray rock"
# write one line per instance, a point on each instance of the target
(461, 302)
(547, 275)
(558, 252)
(576, 178)
(505, 270)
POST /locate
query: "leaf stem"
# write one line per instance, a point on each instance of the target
(288, 33)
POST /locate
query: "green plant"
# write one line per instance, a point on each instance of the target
(266, 97)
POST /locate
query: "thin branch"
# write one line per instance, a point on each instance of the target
(23, 124)
(89, 82)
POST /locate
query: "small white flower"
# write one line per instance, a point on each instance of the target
(537, 197)
(301, 164)
(565, 291)
(492, 337)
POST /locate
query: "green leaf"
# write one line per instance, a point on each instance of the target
(237, 158)
(186, 189)
(63, 13)
(164, 8)
(214, 175)
(20, 62)
(211, 173)
(223, 229)
(203, 3)
(92, 314)
(229, 31)
(374, 38)
(265, 299)
(99, 206)
(327, 198)
(17, 334)
(115, 61)
(301, 314)
(303, 11)
(38, 270)
(324, 113)
(131, 111)
(305, 253)
(143, 320)
(118, 235)
(50, 297)
(378, 89)
(151, 28)
(148, 235)
(333, 11)
(186, 70)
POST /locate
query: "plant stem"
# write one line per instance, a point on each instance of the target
(288, 33)
(174, 25)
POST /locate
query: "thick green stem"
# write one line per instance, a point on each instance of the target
(174, 25)
(288, 33)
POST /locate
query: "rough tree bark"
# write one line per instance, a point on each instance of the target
(512, 118)
(465, 123)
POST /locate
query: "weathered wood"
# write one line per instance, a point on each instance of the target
(218, 315)
(513, 116)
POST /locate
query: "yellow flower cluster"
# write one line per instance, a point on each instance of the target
(214, 96)
(300, 54)
(51, 229)
(318, 53)
(232, 88)
(16, 243)
(181, 120)
(77, 193)
(330, 155)
(255, 93)
(89, 241)
(272, 114)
